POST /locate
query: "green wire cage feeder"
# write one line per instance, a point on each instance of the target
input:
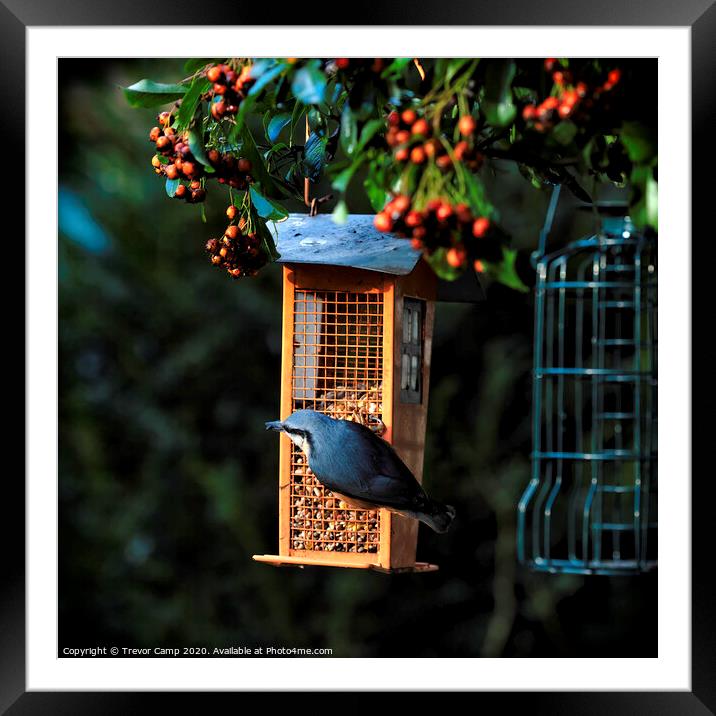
(590, 505)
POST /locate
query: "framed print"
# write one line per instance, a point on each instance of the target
(354, 362)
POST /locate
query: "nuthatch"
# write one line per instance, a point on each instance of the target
(360, 468)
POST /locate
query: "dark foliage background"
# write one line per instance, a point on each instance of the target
(168, 482)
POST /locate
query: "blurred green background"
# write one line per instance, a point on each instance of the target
(168, 482)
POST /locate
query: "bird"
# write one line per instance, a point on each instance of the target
(361, 468)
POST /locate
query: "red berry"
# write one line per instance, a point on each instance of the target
(417, 244)
(550, 103)
(431, 147)
(393, 119)
(558, 78)
(529, 112)
(244, 166)
(342, 63)
(444, 161)
(218, 109)
(180, 192)
(614, 76)
(479, 266)
(219, 88)
(383, 222)
(549, 63)
(480, 227)
(413, 219)
(402, 154)
(466, 125)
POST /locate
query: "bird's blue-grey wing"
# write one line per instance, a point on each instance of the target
(373, 471)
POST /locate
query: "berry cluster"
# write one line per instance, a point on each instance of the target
(347, 64)
(442, 225)
(231, 170)
(229, 89)
(571, 97)
(175, 161)
(411, 138)
(237, 250)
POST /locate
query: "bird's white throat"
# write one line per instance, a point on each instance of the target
(301, 442)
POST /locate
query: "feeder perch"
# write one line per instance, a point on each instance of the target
(590, 506)
(358, 313)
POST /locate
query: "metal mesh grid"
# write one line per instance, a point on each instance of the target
(591, 503)
(337, 370)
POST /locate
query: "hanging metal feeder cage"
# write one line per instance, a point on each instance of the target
(590, 506)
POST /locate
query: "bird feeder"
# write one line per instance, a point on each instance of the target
(358, 314)
(590, 506)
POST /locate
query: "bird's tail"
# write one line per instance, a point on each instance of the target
(437, 516)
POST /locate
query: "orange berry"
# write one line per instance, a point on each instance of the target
(154, 134)
(417, 244)
(529, 112)
(466, 125)
(550, 103)
(479, 266)
(480, 227)
(408, 116)
(420, 127)
(461, 150)
(431, 147)
(171, 171)
(155, 161)
(180, 192)
(402, 136)
(232, 231)
(456, 256)
(401, 203)
(231, 211)
(417, 155)
(444, 212)
(213, 74)
(402, 154)
(163, 144)
(444, 161)
(188, 168)
(164, 118)
(383, 222)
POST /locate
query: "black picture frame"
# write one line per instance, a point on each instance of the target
(699, 15)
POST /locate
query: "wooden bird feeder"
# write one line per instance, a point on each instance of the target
(358, 314)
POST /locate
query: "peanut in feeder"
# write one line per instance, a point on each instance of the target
(358, 313)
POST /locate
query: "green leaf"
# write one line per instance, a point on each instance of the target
(639, 142)
(171, 186)
(264, 79)
(368, 132)
(441, 267)
(498, 106)
(505, 272)
(147, 93)
(188, 106)
(265, 207)
(396, 67)
(377, 195)
(340, 213)
(267, 241)
(340, 183)
(198, 63)
(454, 66)
(309, 85)
(276, 125)
(196, 144)
(314, 156)
(564, 133)
(349, 130)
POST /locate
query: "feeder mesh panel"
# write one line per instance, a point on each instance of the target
(337, 370)
(590, 506)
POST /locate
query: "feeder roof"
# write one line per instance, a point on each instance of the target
(304, 239)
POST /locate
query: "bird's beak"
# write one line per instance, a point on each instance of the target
(274, 425)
